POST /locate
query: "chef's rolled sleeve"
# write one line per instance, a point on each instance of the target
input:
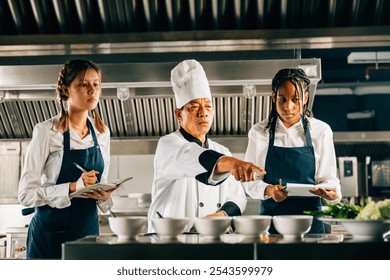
(231, 209)
(208, 159)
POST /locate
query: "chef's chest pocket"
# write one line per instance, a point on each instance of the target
(209, 200)
(56, 220)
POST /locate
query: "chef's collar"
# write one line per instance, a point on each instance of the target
(191, 138)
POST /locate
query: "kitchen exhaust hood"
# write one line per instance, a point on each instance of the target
(146, 104)
(157, 74)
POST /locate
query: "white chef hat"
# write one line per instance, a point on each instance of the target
(189, 82)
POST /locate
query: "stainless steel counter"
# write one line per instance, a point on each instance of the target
(229, 247)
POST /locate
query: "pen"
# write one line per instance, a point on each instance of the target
(79, 167)
(280, 184)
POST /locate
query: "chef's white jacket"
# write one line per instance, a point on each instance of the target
(324, 152)
(43, 160)
(176, 192)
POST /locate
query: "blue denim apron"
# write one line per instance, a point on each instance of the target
(292, 165)
(50, 227)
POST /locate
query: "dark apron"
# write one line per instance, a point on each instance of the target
(292, 165)
(50, 227)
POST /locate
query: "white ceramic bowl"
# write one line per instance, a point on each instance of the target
(366, 229)
(212, 226)
(127, 227)
(169, 226)
(252, 225)
(292, 226)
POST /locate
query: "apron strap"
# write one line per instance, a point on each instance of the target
(271, 141)
(93, 133)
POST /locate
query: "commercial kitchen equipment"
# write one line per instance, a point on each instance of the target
(348, 175)
(16, 242)
(230, 247)
(378, 176)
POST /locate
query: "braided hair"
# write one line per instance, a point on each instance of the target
(301, 83)
(68, 73)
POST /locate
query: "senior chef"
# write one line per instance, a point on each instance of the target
(191, 172)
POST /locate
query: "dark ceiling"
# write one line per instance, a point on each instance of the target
(52, 31)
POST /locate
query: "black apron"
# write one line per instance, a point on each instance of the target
(50, 227)
(292, 165)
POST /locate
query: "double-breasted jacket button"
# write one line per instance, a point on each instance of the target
(201, 204)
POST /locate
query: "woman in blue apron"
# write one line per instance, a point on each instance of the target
(50, 173)
(293, 147)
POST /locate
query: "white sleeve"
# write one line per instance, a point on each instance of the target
(176, 159)
(31, 190)
(326, 174)
(255, 189)
(104, 144)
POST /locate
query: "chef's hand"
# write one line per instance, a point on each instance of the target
(218, 214)
(328, 194)
(277, 192)
(89, 178)
(101, 194)
(241, 170)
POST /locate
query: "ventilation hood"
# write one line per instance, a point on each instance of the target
(29, 96)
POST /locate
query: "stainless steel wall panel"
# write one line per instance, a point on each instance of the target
(27, 121)
(151, 112)
(119, 121)
(235, 114)
(16, 123)
(155, 120)
(38, 110)
(140, 117)
(30, 113)
(53, 107)
(103, 112)
(122, 116)
(214, 126)
(266, 107)
(162, 116)
(112, 120)
(142, 16)
(131, 118)
(131, 121)
(5, 126)
(171, 120)
(149, 126)
(220, 113)
(245, 114)
(228, 116)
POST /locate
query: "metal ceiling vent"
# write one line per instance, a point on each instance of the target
(145, 107)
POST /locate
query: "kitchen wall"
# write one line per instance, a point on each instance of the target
(334, 110)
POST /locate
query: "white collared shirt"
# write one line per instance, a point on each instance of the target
(43, 160)
(324, 152)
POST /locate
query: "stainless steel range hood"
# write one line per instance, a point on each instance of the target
(150, 75)
(29, 96)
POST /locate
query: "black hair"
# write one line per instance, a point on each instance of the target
(301, 83)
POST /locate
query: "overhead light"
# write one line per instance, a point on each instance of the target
(123, 93)
(249, 91)
(368, 57)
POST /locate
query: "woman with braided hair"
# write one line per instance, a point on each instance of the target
(50, 174)
(294, 147)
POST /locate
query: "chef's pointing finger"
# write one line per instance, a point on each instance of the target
(258, 170)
